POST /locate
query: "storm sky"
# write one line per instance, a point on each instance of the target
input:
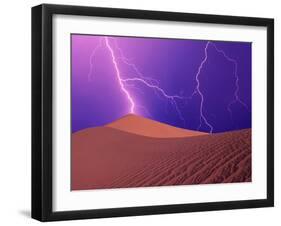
(193, 84)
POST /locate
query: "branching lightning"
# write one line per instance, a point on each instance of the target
(197, 90)
(127, 82)
(236, 98)
(150, 82)
(138, 78)
(172, 98)
(120, 81)
(92, 60)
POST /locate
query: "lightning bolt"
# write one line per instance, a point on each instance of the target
(197, 90)
(150, 82)
(126, 61)
(123, 83)
(172, 98)
(236, 98)
(92, 60)
(120, 81)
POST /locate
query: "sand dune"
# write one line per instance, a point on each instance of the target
(146, 127)
(106, 157)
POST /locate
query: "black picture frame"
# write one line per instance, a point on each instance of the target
(42, 197)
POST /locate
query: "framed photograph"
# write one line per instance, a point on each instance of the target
(146, 112)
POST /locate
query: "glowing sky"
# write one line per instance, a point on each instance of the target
(193, 84)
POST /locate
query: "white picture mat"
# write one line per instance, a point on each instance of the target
(65, 199)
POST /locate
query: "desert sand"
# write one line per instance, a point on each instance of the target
(147, 127)
(122, 155)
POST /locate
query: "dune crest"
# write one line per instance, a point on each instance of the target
(150, 128)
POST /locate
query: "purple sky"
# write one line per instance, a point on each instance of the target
(191, 84)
